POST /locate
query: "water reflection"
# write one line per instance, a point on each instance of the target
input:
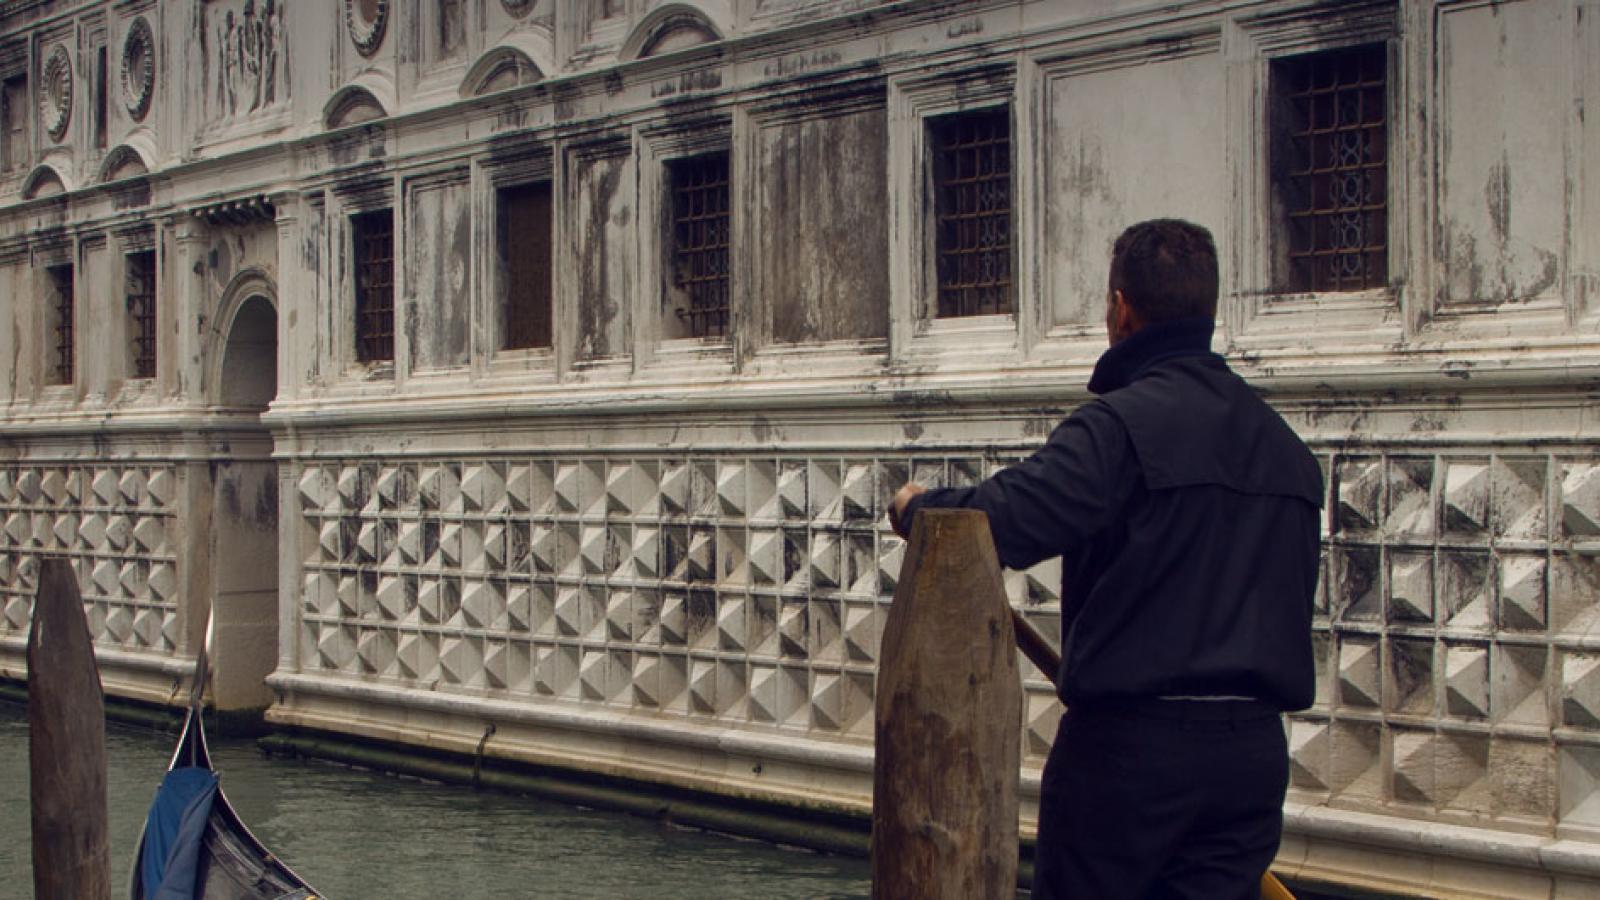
(358, 835)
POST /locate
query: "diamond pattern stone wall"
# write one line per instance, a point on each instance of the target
(1457, 676)
(1457, 672)
(117, 523)
(739, 590)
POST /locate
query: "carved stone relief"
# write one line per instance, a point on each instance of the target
(250, 53)
(366, 20)
(138, 68)
(55, 93)
(518, 8)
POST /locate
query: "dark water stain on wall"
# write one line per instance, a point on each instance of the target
(598, 310)
(825, 235)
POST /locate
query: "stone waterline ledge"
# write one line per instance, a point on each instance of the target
(633, 757)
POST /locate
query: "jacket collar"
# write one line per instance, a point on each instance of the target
(1157, 342)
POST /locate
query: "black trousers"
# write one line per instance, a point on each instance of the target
(1161, 799)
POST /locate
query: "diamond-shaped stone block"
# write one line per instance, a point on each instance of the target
(1411, 587)
(439, 488)
(1360, 675)
(673, 621)
(1522, 593)
(732, 626)
(1360, 494)
(1517, 507)
(1580, 690)
(461, 660)
(377, 651)
(1466, 497)
(1580, 500)
(731, 489)
(1466, 680)
(317, 491)
(418, 656)
(1410, 496)
(161, 488)
(131, 486)
(483, 488)
(54, 486)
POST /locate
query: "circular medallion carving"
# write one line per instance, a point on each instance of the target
(366, 20)
(55, 93)
(138, 68)
(518, 8)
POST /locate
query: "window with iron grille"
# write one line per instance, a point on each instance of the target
(141, 278)
(61, 365)
(372, 236)
(1329, 160)
(970, 156)
(697, 254)
(523, 224)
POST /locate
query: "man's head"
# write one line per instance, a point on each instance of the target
(1161, 269)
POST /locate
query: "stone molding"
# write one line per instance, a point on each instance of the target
(138, 68)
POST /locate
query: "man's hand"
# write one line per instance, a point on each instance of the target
(897, 508)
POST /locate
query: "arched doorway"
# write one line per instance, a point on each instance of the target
(244, 508)
(249, 368)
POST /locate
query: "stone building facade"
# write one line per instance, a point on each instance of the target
(548, 363)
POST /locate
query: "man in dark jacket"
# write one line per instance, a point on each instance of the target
(1186, 515)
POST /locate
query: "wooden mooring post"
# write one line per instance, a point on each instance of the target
(66, 745)
(949, 713)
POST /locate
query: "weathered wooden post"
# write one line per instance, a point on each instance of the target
(66, 745)
(949, 713)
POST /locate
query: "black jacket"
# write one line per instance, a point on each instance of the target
(1186, 515)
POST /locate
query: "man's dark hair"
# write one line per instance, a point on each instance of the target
(1166, 269)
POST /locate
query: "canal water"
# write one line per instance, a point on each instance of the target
(362, 836)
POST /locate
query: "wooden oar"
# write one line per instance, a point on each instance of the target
(66, 745)
(1045, 658)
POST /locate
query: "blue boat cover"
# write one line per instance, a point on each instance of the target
(169, 864)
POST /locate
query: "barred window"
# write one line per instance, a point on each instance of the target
(971, 163)
(523, 225)
(141, 303)
(1329, 159)
(697, 254)
(61, 320)
(372, 235)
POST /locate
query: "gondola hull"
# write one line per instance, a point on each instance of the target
(221, 860)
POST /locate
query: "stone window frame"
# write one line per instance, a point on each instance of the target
(573, 153)
(48, 257)
(131, 241)
(535, 164)
(656, 146)
(754, 342)
(434, 72)
(914, 329)
(348, 201)
(1571, 306)
(16, 68)
(1253, 308)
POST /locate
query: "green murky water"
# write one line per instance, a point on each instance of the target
(361, 836)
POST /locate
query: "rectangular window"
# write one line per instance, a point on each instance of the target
(100, 97)
(14, 124)
(697, 252)
(971, 162)
(141, 302)
(1329, 164)
(372, 236)
(61, 318)
(523, 226)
